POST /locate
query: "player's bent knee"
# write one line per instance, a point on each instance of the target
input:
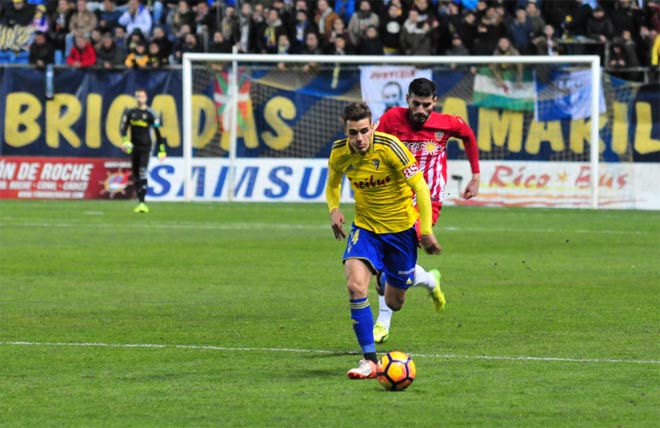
(357, 290)
(394, 304)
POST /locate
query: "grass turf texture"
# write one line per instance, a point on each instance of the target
(259, 292)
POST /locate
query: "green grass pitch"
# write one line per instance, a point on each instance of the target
(236, 315)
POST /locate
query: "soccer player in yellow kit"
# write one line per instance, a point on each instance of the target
(383, 174)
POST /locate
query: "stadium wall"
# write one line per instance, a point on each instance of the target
(81, 125)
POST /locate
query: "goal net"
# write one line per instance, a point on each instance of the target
(241, 108)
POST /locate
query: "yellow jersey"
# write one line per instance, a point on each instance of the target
(380, 180)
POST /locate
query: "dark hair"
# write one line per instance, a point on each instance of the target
(422, 87)
(356, 111)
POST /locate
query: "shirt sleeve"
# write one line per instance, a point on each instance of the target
(466, 134)
(421, 189)
(333, 188)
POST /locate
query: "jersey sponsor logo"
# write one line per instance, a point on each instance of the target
(410, 171)
(138, 122)
(429, 146)
(365, 183)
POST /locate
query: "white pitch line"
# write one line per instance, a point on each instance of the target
(284, 226)
(321, 351)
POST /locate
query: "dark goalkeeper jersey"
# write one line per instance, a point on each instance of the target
(144, 126)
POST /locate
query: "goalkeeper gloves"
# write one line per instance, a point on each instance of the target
(162, 154)
(126, 145)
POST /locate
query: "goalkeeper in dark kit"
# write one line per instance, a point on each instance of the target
(143, 123)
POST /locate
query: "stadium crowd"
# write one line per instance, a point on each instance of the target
(156, 33)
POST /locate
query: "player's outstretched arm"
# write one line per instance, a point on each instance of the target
(332, 196)
(337, 221)
(431, 244)
(429, 241)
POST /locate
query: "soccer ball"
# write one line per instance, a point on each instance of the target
(396, 371)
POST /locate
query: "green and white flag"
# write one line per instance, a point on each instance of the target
(511, 93)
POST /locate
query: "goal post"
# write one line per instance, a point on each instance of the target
(231, 63)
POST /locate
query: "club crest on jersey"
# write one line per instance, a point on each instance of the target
(377, 164)
(439, 135)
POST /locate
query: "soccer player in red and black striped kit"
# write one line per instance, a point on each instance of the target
(425, 133)
(144, 123)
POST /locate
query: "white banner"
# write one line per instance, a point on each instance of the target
(386, 86)
(509, 184)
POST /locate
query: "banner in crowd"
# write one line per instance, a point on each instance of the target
(384, 87)
(566, 95)
(64, 178)
(296, 115)
(504, 87)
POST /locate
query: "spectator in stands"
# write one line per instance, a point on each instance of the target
(121, 41)
(600, 30)
(371, 44)
(521, 31)
(156, 60)
(134, 39)
(467, 29)
(164, 44)
(535, 18)
(181, 16)
(341, 46)
(60, 25)
(324, 18)
(139, 57)
(42, 51)
(449, 19)
(190, 44)
(136, 16)
(548, 43)
(360, 21)
(108, 16)
(285, 13)
(219, 44)
(82, 54)
(247, 29)
(505, 48)
(108, 54)
(626, 17)
(338, 30)
(204, 20)
(629, 47)
(457, 48)
(652, 14)
(494, 21)
(17, 14)
(95, 37)
(576, 25)
(415, 36)
(312, 47)
(283, 48)
(390, 29)
(425, 12)
(599, 26)
(81, 24)
(301, 27)
(229, 25)
(40, 20)
(268, 38)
